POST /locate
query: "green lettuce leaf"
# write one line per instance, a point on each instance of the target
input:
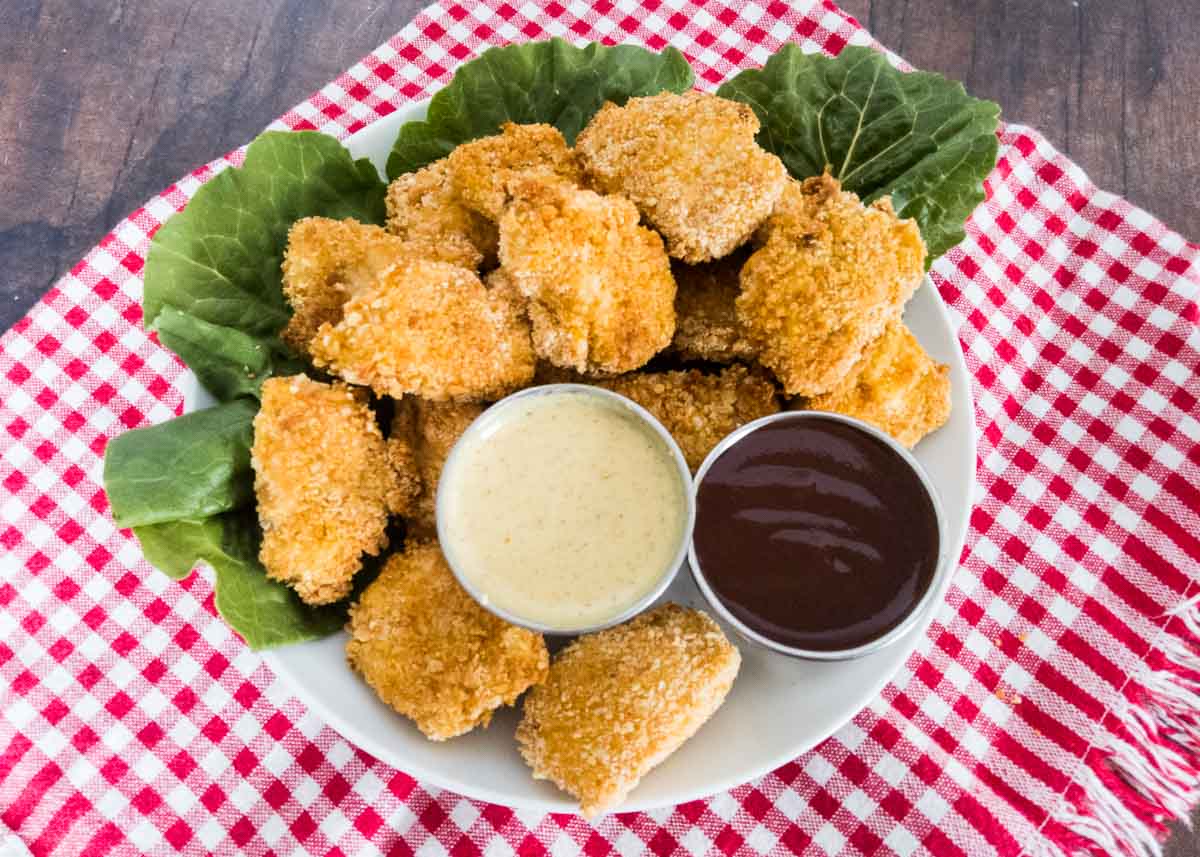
(218, 260)
(915, 136)
(227, 361)
(550, 81)
(190, 467)
(214, 296)
(265, 612)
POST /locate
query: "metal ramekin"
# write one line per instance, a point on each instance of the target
(925, 603)
(489, 418)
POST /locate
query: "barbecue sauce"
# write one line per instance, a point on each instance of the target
(815, 533)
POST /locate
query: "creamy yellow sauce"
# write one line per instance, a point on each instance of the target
(565, 512)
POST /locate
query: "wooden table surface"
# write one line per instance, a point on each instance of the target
(103, 104)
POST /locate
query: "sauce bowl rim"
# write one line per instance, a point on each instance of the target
(687, 496)
(928, 597)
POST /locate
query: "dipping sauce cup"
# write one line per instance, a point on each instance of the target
(817, 535)
(565, 509)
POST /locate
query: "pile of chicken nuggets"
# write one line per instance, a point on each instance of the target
(666, 233)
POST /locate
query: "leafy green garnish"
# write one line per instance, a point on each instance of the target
(186, 468)
(186, 488)
(266, 613)
(214, 295)
(551, 82)
(915, 136)
(228, 362)
(218, 260)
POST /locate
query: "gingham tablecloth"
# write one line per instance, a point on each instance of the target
(1052, 707)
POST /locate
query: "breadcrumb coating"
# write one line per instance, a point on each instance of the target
(697, 409)
(325, 264)
(429, 329)
(437, 426)
(690, 164)
(898, 387)
(601, 296)
(706, 322)
(830, 276)
(618, 702)
(402, 454)
(432, 653)
(482, 169)
(423, 209)
(324, 485)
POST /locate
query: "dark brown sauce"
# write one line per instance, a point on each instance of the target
(815, 534)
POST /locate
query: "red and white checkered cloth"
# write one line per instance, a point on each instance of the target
(1051, 708)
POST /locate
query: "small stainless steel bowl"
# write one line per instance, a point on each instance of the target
(491, 417)
(926, 602)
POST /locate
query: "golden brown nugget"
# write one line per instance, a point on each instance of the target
(830, 276)
(618, 702)
(430, 329)
(690, 164)
(423, 209)
(898, 387)
(432, 653)
(437, 426)
(482, 169)
(325, 264)
(706, 322)
(697, 409)
(402, 454)
(599, 287)
(324, 485)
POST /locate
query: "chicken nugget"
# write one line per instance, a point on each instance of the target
(424, 210)
(697, 409)
(325, 264)
(432, 653)
(706, 322)
(429, 329)
(898, 387)
(618, 702)
(830, 276)
(482, 169)
(601, 296)
(404, 456)
(437, 426)
(690, 164)
(324, 485)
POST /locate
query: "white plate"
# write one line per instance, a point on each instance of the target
(778, 708)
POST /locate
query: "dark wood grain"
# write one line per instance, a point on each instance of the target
(104, 104)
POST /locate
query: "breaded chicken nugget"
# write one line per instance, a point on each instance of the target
(601, 296)
(430, 329)
(403, 455)
(437, 426)
(830, 276)
(424, 210)
(432, 653)
(482, 169)
(690, 164)
(697, 409)
(324, 485)
(618, 702)
(325, 264)
(706, 322)
(897, 387)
